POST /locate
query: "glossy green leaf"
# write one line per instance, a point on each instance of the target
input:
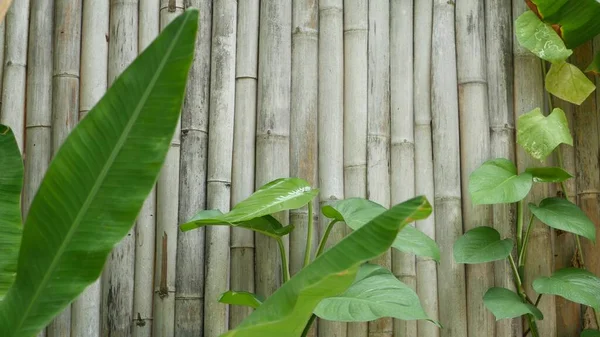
(562, 214)
(356, 212)
(376, 293)
(497, 182)
(540, 135)
(242, 298)
(574, 284)
(278, 195)
(548, 174)
(266, 224)
(288, 310)
(11, 183)
(95, 186)
(480, 245)
(539, 38)
(590, 333)
(505, 303)
(568, 83)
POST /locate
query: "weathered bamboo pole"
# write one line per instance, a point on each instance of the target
(272, 126)
(2, 44)
(529, 94)
(475, 149)
(444, 112)
(402, 135)
(117, 282)
(427, 288)
(331, 126)
(15, 65)
(242, 174)
(220, 153)
(498, 13)
(145, 228)
(378, 127)
(356, 34)
(189, 297)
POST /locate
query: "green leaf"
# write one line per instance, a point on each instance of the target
(548, 174)
(96, 184)
(497, 182)
(242, 298)
(288, 310)
(266, 224)
(594, 67)
(376, 293)
(480, 245)
(590, 333)
(11, 183)
(539, 38)
(562, 214)
(278, 195)
(576, 285)
(568, 83)
(356, 212)
(505, 303)
(540, 135)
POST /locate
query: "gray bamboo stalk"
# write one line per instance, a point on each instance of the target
(426, 268)
(2, 45)
(15, 65)
(242, 174)
(356, 34)
(167, 217)
(529, 94)
(331, 126)
(189, 297)
(220, 153)
(402, 135)
(272, 126)
(118, 279)
(498, 13)
(475, 149)
(445, 124)
(378, 128)
(145, 229)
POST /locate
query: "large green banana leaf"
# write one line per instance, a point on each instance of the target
(97, 183)
(11, 181)
(288, 310)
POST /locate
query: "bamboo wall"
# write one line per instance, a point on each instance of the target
(379, 99)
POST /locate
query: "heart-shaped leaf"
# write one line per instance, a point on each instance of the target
(278, 195)
(376, 293)
(540, 135)
(505, 303)
(590, 333)
(480, 245)
(539, 38)
(548, 174)
(562, 214)
(497, 182)
(576, 285)
(266, 224)
(568, 83)
(242, 298)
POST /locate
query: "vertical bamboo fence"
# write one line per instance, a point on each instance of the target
(383, 99)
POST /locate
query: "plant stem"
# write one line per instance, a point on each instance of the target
(519, 226)
(285, 271)
(537, 300)
(308, 325)
(523, 252)
(521, 291)
(309, 234)
(325, 237)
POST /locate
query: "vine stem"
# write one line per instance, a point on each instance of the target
(308, 325)
(520, 226)
(530, 319)
(523, 252)
(309, 234)
(285, 271)
(325, 237)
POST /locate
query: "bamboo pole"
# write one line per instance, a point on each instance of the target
(220, 152)
(2, 45)
(145, 229)
(498, 13)
(15, 65)
(402, 135)
(331, 126)
(378, 127)
(118, 279)
(444, 111)
(272, 126)
(242, 175)
(426, 267)
(356, 34)
(189, 296)
(475, 149)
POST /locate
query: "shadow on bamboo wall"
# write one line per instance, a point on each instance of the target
(378, 99)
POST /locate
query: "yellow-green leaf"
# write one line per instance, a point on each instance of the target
(568, 83)
(540, 135)
(539, 38)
